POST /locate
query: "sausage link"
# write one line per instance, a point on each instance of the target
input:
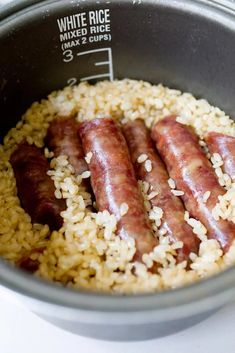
(113, 181)
(139, 142)
(35, 188)
(63, 139)
(194, 175)
(225, 146)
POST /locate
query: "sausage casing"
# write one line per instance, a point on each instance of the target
(139, 142)
(193, 174)
(35, 188)
(225, 146)
(114, 183)
(63, 139)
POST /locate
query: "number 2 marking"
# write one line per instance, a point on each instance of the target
(72, 81)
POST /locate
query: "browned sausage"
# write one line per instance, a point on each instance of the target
(139, 142)
(35, 188)
(63, 139)
(225, 146)
(193, 174)
(113, 181)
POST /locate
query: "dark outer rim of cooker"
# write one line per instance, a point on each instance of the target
(209, 290)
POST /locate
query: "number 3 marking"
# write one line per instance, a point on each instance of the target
(68, 56)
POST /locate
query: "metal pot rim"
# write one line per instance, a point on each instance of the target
(206, 292)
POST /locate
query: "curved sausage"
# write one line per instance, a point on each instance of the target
(35, 188)
(63, 139)
(114, 183)
(225, 146)
(194, 175)
(139, 142)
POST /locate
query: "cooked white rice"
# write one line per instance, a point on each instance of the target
(171, 183)
(142, 158)
(85, 252)
(177, 192)
(148, 165)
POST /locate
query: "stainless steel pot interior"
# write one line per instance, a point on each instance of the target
(116, 309)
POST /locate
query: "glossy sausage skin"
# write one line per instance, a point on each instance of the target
(225, 146)
(63, 139)
(193, 174)
(35, 188)
(139, 141)
(113, 181)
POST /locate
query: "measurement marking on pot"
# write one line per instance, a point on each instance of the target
(102, 63)
(108, 63)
